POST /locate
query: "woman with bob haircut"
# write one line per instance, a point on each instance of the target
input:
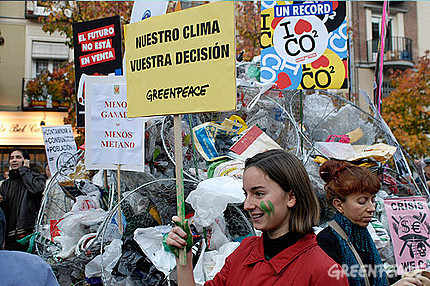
(281, 203)
(351, 190)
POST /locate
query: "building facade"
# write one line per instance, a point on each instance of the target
(25, 52)
(405, 40)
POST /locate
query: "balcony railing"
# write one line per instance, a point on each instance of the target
(387, 88)
(396, 49)
(42, 102)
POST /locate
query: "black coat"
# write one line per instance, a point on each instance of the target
(22, 195)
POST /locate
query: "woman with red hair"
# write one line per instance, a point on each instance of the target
(351, 190)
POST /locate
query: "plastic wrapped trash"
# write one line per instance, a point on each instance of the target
(251, 143)
(213, 140)
(211, 262)
(232, 168)
(321, 119)
(87, 187)
(217, 234)
(382, 241)
(210, 198)
(150, 241)
(110, 258)
(134, 266)
(87, 202)
(73, 226)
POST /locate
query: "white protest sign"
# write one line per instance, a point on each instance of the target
(60, 146)
(111, 139)
(145, 9)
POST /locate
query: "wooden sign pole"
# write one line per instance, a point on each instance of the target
(105, 180)
(119, 198)
(180, 203)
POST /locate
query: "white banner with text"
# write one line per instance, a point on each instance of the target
(60, 146)
(111, 139)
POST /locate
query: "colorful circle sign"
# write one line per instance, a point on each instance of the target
(327, 72)
(333, 21)
(300, 40)
(277, 71)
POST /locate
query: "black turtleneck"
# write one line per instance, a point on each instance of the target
(14, 174)
(273, 246)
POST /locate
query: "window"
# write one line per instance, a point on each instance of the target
(56, 64)
(376, 32)
(48, 56)
(41, 65)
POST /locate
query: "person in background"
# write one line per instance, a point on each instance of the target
(5, 176)
(351, 191)
(281, 203)
(20, 197)
(20, 268)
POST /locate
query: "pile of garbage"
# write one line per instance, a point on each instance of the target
(85, 228)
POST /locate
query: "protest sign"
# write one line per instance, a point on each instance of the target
(409, 224)
(143, 10)
(97, 51)
(111, 139)
(60, 146)
(148, 8)
(304, 45)
(182, 62)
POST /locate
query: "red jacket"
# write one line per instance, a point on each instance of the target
(303, 263)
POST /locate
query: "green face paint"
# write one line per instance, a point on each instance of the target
(269, 208)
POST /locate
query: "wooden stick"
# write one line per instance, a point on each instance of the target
(118, 180)
(180, 204)
(105, 180)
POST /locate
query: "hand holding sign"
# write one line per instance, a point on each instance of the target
(183, 62)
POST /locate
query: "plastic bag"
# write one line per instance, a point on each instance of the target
(211, 262)
(150, 241)
(87, 187)
(110, 258)
(136, 267)
(73, 226)
(379, 234)
(217, 235)
(98, 179)
(84, 203)
(210, 198)
(112, 229)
